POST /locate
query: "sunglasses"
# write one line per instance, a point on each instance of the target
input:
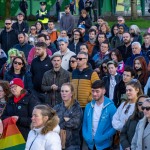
(7, 23)
(127, 109)
(140, 103)
(80, 58)
(73, 61)
(146, 108)
(19, 63)
(120, 20)
(105, 67)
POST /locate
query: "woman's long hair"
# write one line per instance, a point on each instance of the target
(144, 75)
(23, 69)
(52, 121)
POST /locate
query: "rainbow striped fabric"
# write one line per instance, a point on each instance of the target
(11, 139)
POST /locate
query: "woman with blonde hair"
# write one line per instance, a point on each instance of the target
(70, 115)
(44, 134)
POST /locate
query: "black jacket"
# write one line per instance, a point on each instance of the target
(88, 22)
(51, 77)
(38, 68)
(73, 48)
(23, 27)
(106, 80)
(120, 89)
(72, 126)
(126, 52)
(23, 109)
(128, 131)
(8, 39)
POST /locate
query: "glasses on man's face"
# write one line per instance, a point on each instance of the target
(19, 63)
(145, 108)
(7, 23)
(127, 109)
(80, 58)
(120, 20)
(140, 103)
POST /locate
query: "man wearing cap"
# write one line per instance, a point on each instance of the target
(53, 80)
(20, 25)
(67, 21)
(85, 36)
(39, 66)
(64, 52)
(42, 14)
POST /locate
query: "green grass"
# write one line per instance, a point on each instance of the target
(141, 23)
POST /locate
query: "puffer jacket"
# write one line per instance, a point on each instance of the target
(72, 126)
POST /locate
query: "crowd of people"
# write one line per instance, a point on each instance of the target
(76, 84)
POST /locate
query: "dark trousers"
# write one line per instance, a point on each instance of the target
(95, 14)
(108, 148)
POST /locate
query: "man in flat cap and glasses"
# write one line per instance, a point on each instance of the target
(42, 14)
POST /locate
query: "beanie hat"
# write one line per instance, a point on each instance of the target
(17, 81)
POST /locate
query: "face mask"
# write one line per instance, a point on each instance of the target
(139, 69)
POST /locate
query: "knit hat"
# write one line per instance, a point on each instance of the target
(17, 81)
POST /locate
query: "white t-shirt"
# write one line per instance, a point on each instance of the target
(96, 116)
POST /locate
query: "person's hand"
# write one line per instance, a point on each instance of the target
(54, 87)
(66, 118)
(83, 22)
(97, 70)
(15, 117)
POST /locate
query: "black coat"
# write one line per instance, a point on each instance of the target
(88, 22)
(120, 89)
(72, 126)
(128, 131)
(23, 109)
(8, 39)
(106, 80)
(23, 27)
(38, 68)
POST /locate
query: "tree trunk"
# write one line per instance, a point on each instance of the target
(7, 8)
(134, 9)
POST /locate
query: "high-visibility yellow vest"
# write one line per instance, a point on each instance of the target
(45, 20)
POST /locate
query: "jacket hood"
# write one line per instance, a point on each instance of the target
(106, 102)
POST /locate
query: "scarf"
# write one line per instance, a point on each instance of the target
(17, 99)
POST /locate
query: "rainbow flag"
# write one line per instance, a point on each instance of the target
(11, 139)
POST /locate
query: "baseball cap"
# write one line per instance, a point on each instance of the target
(81, 26)
(17, 81)
(63, 40)
(20, 13)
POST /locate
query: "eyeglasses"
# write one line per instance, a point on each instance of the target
(80, 58)
(73, 61)
(140, 103)
(127, 109)
(146, 108)
(7, 23)
(120, 20)
(19, 63)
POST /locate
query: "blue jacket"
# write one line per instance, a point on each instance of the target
(105, 131)
(130, 60)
